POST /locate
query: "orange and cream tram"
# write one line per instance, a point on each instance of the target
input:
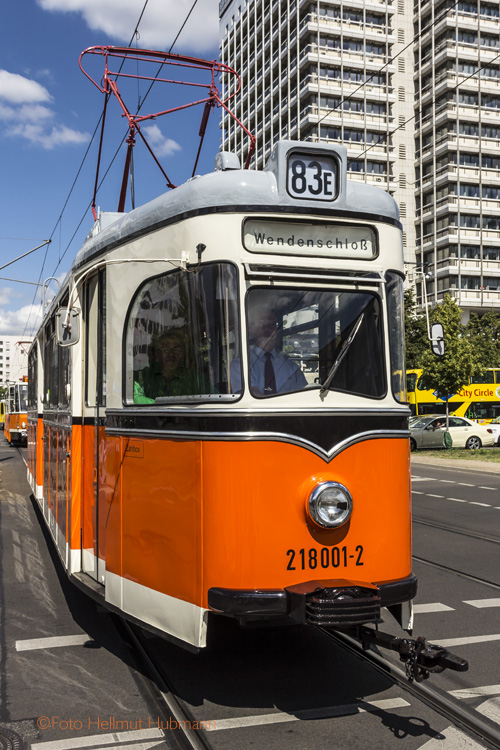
(16, 418)
(218, 423)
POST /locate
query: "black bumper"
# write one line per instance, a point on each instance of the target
(329, 603)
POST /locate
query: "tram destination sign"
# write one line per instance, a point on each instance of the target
(332, 240)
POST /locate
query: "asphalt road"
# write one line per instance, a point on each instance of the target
(282, 689)
(450, 607)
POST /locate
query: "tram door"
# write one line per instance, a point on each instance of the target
(93, 436)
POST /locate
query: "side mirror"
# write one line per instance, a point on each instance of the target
(437, 339)
(68, 326)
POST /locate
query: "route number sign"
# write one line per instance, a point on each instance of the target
(312, 176)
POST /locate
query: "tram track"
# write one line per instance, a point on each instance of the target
(482, 728)
(461, 573)
(167, 703)
(454, 530)
(476, 725)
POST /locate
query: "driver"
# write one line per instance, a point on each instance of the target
(271, 371)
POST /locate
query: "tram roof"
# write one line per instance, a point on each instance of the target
(235, 190)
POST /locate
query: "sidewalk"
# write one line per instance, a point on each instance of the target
(486, 467)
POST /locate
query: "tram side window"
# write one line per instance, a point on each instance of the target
(51, 379)
(395, 314)
(33, 377)
(23, 398)
(182, 334)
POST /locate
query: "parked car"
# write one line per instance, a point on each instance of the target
(495, 427)
(428, 432)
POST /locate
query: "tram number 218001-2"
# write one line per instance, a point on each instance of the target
(326, 557)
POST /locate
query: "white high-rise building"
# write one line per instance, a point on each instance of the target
(457, 134)
(13, 358)
(400, 86)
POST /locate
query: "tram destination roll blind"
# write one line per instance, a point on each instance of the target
(332, 240)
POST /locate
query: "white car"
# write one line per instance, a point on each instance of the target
(428, 432)
(495, 427)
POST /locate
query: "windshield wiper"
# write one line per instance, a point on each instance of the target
(343, 351)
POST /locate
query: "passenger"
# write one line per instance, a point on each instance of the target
(168, 374)
(270, 370)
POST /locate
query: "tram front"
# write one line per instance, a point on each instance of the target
(307, 505)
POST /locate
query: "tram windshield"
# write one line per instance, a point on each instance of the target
(182, 334)
(23, 398)
(183, 340)
(310, 338)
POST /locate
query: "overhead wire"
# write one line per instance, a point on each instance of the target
(454, 88)
(75, 181)
(140, 104)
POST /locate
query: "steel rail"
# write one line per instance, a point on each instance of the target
(462, 715)
(457, 572)
(454, 530)
(186, 736)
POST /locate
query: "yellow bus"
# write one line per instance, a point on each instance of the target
(478, 400)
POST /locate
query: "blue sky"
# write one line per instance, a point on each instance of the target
(49, 111)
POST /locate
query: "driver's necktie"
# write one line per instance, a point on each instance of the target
(269, 378)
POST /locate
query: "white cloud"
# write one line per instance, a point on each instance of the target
(163, 146)
(6, 294)
(159, 26)
(28, 118)
(19, 90)
(28, 317)
(48, 138)
(13, 322)
(25, 113)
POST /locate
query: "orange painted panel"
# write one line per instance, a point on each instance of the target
(13, 423)
(110, 503)
(88, 489)
(255, 523)
(39, 453)
(162, 516)
(102, 510)
(75, 513)
(196, 515)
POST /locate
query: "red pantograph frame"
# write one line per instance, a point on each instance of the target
(109, 86)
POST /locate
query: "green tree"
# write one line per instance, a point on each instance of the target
(447, 374)
(484, 334)
(415, 332)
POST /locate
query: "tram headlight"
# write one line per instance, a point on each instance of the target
(23, 425)
(330, 504)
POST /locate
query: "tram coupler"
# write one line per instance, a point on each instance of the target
(419, 657)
